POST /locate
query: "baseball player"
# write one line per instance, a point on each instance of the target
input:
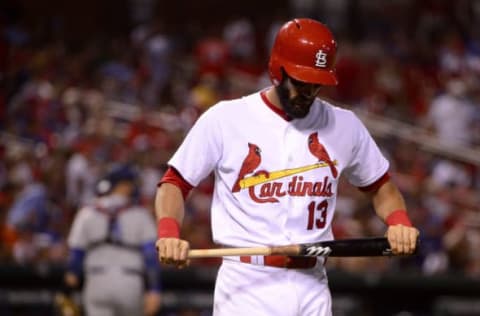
(112, 246)
(277, 156)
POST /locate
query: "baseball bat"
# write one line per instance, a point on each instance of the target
(356, 247)
(274, 175)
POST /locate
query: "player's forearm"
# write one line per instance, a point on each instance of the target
(387, 200)
(390, 206)
(169, 208)
(169, 202)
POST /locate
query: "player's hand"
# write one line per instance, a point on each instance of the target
(151, 303)
(402, 239)
(173, 251)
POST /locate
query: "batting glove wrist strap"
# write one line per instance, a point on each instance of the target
(168, 227)
(398, 217)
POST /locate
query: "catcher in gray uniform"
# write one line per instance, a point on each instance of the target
(112, 248)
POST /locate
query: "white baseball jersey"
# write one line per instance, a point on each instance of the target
(276, 180)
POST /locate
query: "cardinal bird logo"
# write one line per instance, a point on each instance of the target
(250, 163)
(319, 151)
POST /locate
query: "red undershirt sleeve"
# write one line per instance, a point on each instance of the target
(174, 177)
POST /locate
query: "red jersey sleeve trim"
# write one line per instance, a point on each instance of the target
(377, 184)
(174, 177)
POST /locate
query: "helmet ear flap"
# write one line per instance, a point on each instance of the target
(277, 73)
(274, 69)
(283, 76)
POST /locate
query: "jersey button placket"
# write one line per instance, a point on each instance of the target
(288, 144)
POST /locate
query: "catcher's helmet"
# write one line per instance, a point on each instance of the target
(306, 50)
(117, 173)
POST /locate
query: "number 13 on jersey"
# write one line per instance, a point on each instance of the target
(317, 215)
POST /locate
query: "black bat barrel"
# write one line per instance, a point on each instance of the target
(362, 247)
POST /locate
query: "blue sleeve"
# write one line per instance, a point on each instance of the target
(75, 261)
(152, 267)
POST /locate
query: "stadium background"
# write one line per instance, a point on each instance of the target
(86, 83)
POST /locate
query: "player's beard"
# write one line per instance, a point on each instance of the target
(296, 107)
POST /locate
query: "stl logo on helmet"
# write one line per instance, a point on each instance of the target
(321, 59)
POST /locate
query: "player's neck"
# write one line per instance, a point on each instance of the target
(272, 96)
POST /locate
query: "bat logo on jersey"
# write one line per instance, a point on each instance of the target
(270, 189)
(319, 151)
(315, 251)
(250, 163)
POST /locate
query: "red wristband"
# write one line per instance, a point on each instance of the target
(398, 217)
(168, 227)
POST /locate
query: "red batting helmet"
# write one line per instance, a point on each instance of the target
(306, 50)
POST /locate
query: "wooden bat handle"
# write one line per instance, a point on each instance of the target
(290, 250)
(223, 252)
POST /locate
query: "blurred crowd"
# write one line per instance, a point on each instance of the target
(68, 111)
